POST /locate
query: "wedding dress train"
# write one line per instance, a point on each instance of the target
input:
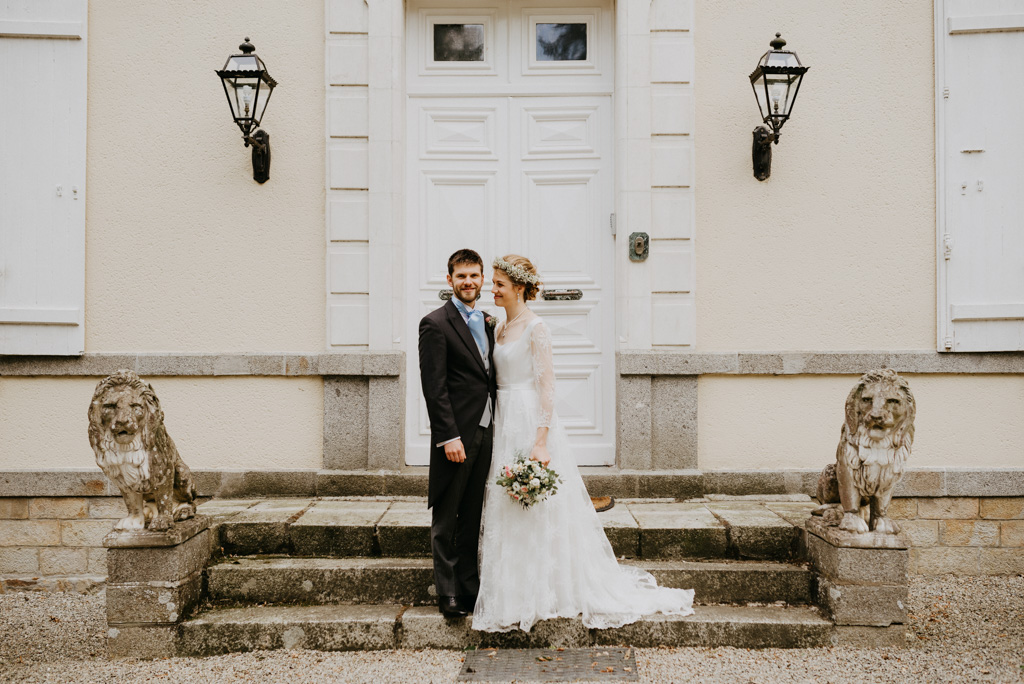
(553, 559)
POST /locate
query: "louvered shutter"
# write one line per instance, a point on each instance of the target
(980, 54)
(42, 176)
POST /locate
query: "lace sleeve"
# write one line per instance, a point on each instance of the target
(543, 372)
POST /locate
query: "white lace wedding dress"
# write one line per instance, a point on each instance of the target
(553, 559)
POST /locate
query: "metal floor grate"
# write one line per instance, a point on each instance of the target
(550, 665)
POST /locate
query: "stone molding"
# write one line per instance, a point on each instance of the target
(371, 364)
(630, 363)
(412, 481)
(815, 363)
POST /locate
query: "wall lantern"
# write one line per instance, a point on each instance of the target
(248, 87)
(776, 81)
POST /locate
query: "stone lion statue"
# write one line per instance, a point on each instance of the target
(872, 453)
(132, 447)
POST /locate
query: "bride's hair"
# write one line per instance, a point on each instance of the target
(521, 262)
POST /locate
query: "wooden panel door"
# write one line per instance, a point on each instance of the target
(981, 172)
(510, 150)
(559, 218)
(456, 198)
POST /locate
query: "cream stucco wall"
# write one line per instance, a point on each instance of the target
(184, 251)
(250, 423)
(836, 251)
(761, 422)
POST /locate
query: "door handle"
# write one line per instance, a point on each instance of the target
(639, 246)
(569, 295)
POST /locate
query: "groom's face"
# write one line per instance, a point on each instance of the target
(466, 281)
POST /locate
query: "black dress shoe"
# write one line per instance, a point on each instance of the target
(467, 602)
(449, 607)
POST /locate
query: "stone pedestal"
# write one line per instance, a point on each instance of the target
(154, 582)
(862, 582)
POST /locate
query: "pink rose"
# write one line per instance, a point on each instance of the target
(524, 488)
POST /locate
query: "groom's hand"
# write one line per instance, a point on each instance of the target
(455, 452)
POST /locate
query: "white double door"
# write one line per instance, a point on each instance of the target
(529, 175)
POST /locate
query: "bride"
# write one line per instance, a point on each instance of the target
(553, 559)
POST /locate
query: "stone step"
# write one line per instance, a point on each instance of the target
(410, 580)
(380, 627)
(600, 481)
(400, 528)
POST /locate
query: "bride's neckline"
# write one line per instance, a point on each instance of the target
(529, 322)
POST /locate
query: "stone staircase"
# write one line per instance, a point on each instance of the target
(355, 573)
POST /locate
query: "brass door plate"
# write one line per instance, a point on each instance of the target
(639, 246)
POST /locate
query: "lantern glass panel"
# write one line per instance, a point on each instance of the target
(779, 91)
(761, 95)
(242, 63)
(243, 92)
(260, 105)
(781, 59)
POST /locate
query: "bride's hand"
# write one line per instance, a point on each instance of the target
(540, 454)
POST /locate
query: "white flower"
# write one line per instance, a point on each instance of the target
(516, 274)
(535, 483)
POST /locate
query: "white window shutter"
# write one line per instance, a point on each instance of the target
(980, 155)
(42, 176)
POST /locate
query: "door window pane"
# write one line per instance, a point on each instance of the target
(458, 42)
(561, 42)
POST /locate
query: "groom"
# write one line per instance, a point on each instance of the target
(457, 377)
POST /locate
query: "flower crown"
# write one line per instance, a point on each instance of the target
(517, 274)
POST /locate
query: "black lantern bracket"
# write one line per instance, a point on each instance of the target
(260, 141)
(248, 87)
(776, 82)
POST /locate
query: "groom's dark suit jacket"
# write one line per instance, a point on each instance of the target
(455, 386)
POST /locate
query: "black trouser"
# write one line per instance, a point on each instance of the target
(455, 525)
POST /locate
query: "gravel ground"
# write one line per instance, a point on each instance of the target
(961, 629)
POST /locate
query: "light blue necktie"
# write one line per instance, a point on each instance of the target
(476, 327)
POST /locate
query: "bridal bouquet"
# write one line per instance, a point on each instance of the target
(528, 482)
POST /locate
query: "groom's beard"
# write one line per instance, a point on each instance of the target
(468, 296)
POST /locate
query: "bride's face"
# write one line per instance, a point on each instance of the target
(503, 289)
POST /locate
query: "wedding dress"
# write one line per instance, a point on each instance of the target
(553, 559)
